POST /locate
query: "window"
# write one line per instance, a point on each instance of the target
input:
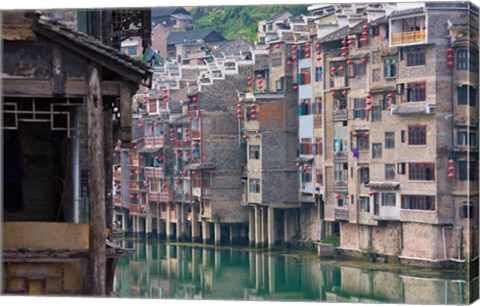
(463, 138)
(317, 106)
(318, 146)
(389, 140)
(305, 107)
(376, 150)
(132, 51)
(421, 171)
(319, 177)
(403, 136)
(254, 152)
(375, 31)
(306, 176)
(417, 135)
(401, 168)
(467, 95)
(376, 113)
(465, 172)
(340, 171)
(365, 204)
(467, 60)
(279, 85)
(389, 199)
(389, 67)
(304, 76)
(420, 202)
(466, 212)
(318, 74)
(416, 92)
(359, 111)
(306, 146)
(362, 142)
(389, 172)
(254, 185)
(364, 175)
(415, 57)
(358, 69)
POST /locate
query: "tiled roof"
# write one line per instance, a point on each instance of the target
(411, 11)
(167, 11)
(189, 36)
(358, 28)
(338, 34)
(277, 16)
(61, 31)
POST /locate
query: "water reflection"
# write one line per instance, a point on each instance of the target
(159, 270)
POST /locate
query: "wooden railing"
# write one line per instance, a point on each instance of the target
(117, 175)
(340, 115)
(164, 197)
(408, 37)
(153, 141)
(134, 185)
(153, 172)
(154, 196)
(117, 200)
(337, 82)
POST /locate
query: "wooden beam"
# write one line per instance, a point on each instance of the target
(126, 93)
(43, 88)
(96, 183)
(108, 151)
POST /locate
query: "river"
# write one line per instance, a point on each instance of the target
(176, 271)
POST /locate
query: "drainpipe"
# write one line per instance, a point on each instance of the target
(76, 167)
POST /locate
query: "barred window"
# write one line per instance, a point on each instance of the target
(254, 185)
(416, 92)
(365, 204)
(467, 171)
(415, 56)
(420, 202)
(389, 199)
(421, 171)
(254, 152)
(389, 172)
(389, 140)
(467, 60)
(318, 74)
(417, 135)
(376, 113)
(466, 211)
(467, 95)
(364, 175)
(363, 142)
(376, 150)
(390, 69)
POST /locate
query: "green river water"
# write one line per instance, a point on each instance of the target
(177, 271)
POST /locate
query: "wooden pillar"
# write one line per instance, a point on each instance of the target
(251, 226)
(108, 151)
(195, 225)
(126, 114)
(206, 232)
(96, 183)
(217, 233)
(271, 227)
(258, 226)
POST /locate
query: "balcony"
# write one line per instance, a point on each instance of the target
(340, 157)
(337, 82)
(164, 196)
(340, 115)
(133, 161)
(405, 38)
(153, 141)
(341, 214)
(153, 172)
(138, 209)
(340, 187)
(154, 196)
(117, 175)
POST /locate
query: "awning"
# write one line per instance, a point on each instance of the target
(199, 167)
(383, 185)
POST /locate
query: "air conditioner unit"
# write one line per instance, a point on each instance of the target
(430, 108)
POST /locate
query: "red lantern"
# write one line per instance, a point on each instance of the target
(185, 172)
(338, 196)
(333, 94)
(165, 90)
(294, 47)
(260, 81)
(365, 27)
(368, 96)
(130, 196)
(195, 99)
(450, 64)
(390, 95)
(267, 48)
(260, 87)
(350, 42)
(355, 134)
(307, 55)
(196, 144)
(257, 136)
(131, 174)
(172, 135)
(365, 33)
(450, 50)
(294, 58)
(344, 54)
(344, 48)
(320, 52)
(254, 111)
(145, 91)
(368, 108)
(239, 116)
(319, 58)
(114, 154)
(344, 42)
(344, 92)
(135, 147)
(245, 137)
(349, 62)
(297, 165)
(294, 52)
(451, 175)
(450, 56)
(451, 162)
(390, 101)
(451, 168)
(295, 87)
(307, 44)
(254, 105)
(259, 76)
(254, 116)
(165, 96)
(277, 46)
(369, 102)
(306, 166)
(389, 108)
(250, 83)
(341, 68)
(140, 125)
(289, 63)
(250, 78)
(333, 69)
(239, 105)
(186, 134)
(190, 118)
(318, 46)
(370, 193)
(155, 124)
(197, 118)
(347, 196)
(367, 133)
(307, 49)
(364, 60)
